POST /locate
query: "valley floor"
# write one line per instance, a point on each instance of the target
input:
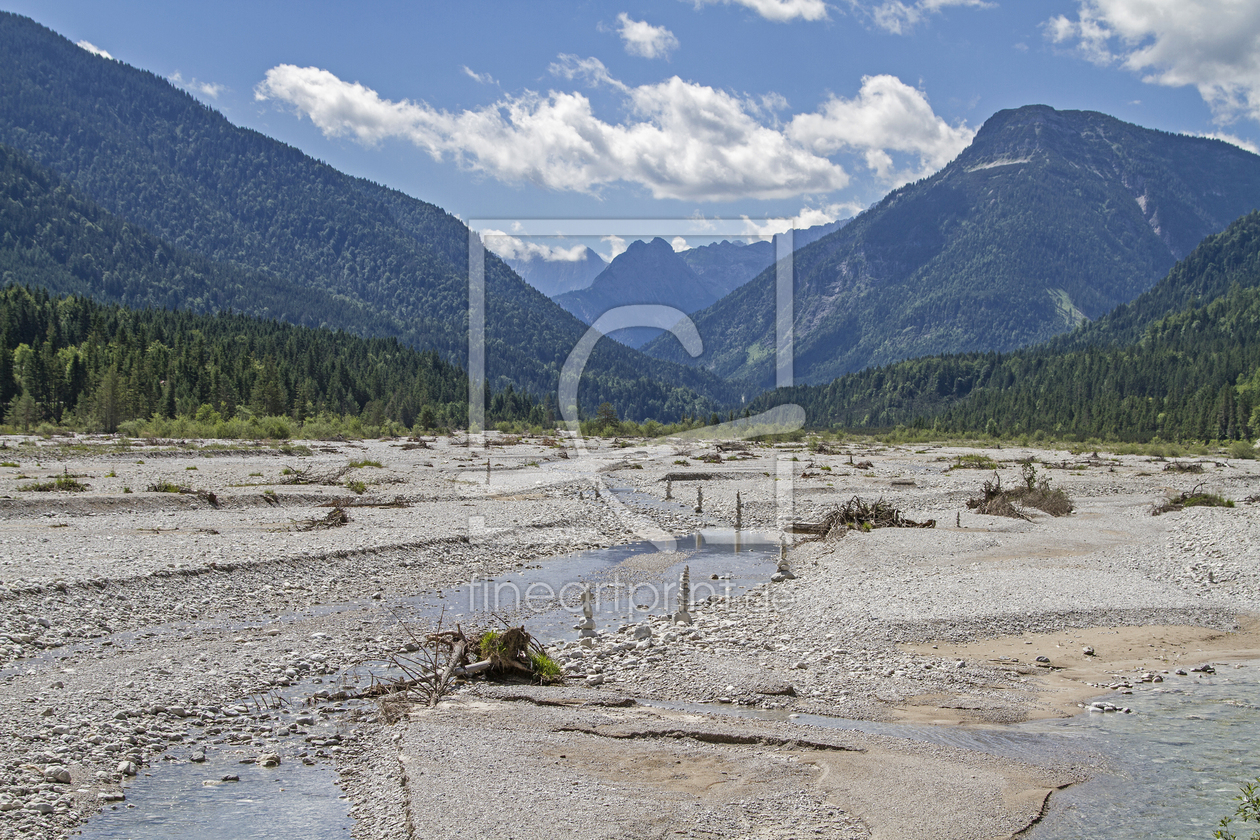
(142, 629)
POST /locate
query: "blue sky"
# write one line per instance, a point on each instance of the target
(721, 108)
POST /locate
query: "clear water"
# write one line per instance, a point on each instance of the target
(722, 562)
(1178, 761)
(186, 801)
(176, 803)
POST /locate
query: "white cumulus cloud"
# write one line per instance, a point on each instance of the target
(886, 115)
(1233, 140)
(778, 10)
(616, 247)
(514, 248)
(684, 140)
(677, 139)
(1212, 45)
(93, 49)
(209, 89)
(899, 17)
(808, 217)
(645, 40)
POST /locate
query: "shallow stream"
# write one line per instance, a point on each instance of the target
(1178, 760)
(180, 800)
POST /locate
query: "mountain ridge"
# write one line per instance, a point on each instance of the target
(153, 156)
(1182, 361)
(1048, 215)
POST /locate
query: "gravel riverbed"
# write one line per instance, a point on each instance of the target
(141, 628)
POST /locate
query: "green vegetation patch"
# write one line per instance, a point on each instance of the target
(1193, 498)
(66, 483)
(167, 487)
(975, 461)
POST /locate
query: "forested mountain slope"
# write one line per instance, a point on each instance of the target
(154, 156)
(1048, 218)
(1193, 371)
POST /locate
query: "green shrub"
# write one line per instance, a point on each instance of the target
(1248, 811)
(167, 487)
(356, 486)
(1192, 499)
(1242, 449)
(975, 461)
(354, 465)
(66, 483)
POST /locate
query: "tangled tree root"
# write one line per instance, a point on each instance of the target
(441, 657)
(335, 518)
(857, 515)
(1036, 493)
(994, 501)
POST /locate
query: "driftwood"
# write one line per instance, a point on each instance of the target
(994, 501)
(1035, 493)
(335, 518)
(304, 475)
(443, 655)
(352, 502)
(688, 476)
(858, 515)
(167, 487)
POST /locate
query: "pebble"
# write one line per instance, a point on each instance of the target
(59, 775)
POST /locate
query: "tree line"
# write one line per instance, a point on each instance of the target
(69, 360)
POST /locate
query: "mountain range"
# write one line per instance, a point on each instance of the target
(556, 276)
(383, 263)
(1047, 219)
(121, 187)
(1180, 362)
(689, 280)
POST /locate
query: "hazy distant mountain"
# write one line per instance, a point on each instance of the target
(555, 277)
(646, 272)
(726, 265)
(382, 262)
(1048, 218)
(652, 272)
